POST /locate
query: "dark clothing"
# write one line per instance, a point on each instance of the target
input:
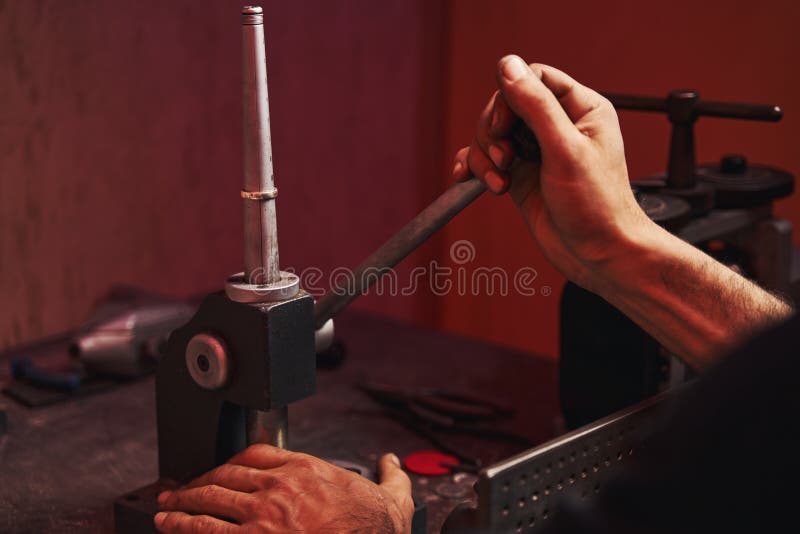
(726, 460)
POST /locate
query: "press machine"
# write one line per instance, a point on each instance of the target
(229, 374)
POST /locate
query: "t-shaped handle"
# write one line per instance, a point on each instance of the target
(683, 108)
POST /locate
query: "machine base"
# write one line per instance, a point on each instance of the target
(134, 511)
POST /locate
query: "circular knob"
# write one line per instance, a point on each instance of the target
(207, 361)
(733, 164)
(680, 106)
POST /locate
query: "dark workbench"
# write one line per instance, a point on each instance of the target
(62, 466)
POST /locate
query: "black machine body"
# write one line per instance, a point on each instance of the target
(229, 363)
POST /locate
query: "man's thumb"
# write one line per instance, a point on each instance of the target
(533, 102)
(392, 476)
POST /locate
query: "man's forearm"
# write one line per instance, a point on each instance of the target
(693, 305)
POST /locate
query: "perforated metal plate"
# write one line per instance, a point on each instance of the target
(519, 494)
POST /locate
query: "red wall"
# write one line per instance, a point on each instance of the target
(120, 144)
(120, 140)
(737, 51)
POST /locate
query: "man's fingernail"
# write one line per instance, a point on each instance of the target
(394, 459)
(496, 153)
(494, 181)
(495, 119)
(457, 167)
(158, 519)
(514, 68)
(163, 496)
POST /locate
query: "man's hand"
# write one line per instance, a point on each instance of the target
(580, 209)
(578, 204)
(266, 489)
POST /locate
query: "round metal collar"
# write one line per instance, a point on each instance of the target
(237, 288)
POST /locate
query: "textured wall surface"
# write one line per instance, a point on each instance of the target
(120, 144)
(120, 136)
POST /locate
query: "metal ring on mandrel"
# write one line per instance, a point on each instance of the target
(260, 195)
(238, 289)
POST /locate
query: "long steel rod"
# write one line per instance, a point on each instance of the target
(261, 264)
(400, 245)
(270, 427)
(260, 227)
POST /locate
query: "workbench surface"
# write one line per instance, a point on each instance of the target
(62, 466)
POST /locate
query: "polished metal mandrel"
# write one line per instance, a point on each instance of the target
(261, 263)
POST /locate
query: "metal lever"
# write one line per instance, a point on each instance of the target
(400, 245)
(417, 231)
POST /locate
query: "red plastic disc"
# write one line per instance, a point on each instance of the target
(429, 463)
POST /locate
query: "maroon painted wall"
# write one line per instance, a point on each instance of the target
(120, 144)
(120, 135)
